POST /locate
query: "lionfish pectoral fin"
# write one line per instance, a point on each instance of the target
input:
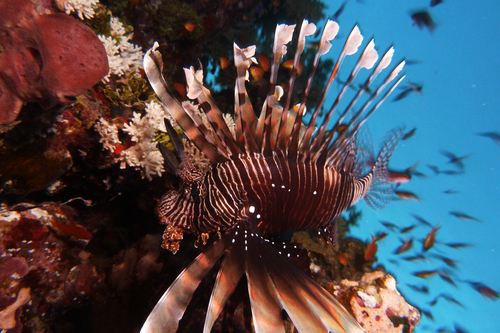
(275, 284)
(170, 308)
(381, 191)
(230, 273)
(310, 307)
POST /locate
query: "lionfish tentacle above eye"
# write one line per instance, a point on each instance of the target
(276, 174)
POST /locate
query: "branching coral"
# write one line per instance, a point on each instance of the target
(83, 8)
(123, 56)
(142, 130)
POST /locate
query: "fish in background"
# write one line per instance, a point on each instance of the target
(273, 175)
(423, 19)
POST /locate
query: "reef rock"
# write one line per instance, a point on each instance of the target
(49, 59)
(377, 305)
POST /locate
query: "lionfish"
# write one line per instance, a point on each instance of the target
(273, 175)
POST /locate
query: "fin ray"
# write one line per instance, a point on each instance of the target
(170, 308)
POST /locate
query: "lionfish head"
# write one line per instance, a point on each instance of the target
(179, 209)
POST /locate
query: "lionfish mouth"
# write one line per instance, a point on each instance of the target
(269, 172)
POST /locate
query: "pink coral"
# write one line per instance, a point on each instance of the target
(377, 305)
(49, 59)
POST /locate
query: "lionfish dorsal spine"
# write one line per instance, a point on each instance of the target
(357, 121)
(350, 47)
(244, 114)
(330, 31)
(367, 60)
(196, 90)
(283, 36)
(306, 29)
(153, 65)
(383, 63)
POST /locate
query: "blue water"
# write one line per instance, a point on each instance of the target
(459, 68)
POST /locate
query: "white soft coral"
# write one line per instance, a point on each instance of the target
(143, 155)
(83, 8)
(109, 134)
(124, 57)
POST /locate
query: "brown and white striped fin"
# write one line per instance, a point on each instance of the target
(309, 306)
(244, 114)
(170, 308)
(357, 121)
(153, 65)
(230, 273)
(274, 284)
(329, 33)
(383, 63)
(282, 36)
(350, 47)
(307, 29)
(196, 90)
(367, 60)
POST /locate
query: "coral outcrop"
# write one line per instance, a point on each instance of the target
(49, 59)
(377, 305)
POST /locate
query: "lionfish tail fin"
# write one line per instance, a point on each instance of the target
(274, 285)
(381, 190)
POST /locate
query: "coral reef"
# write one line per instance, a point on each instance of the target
(97, 265)
(49, 59)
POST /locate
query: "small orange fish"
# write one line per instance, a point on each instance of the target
(450, 262)
(464, 217)
(407, 196)
(408, 229)
(181, 89)
(421, 289)
(416, 258)
(484, 290)
(189, 26)
(342, 259)
(263, 62)
(371, 249)
(341, 128)
(426, 274)
(398, 177)
(380, 236)
(312, 45)
(406, 246)
(458, 246)
(257, 73)
(224, 63)
(431, 238)
(289, 65)
(75, 231)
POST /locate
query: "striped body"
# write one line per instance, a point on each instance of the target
(275, 193)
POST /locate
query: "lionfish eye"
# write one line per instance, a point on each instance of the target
(195, 191)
